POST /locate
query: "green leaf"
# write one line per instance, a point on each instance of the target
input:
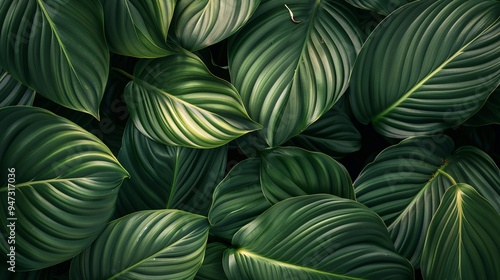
(152, 244)
(462, 241)
(66, 183)
(176, 101)
(489, 113)
(405, 183)
(167, 177)
(56, 47)
(333, 134)
(12, 92)
(290, 73)
(427, 67)
(138, 28)
(212, 269)
(237, 200)
(382, 7)
(288, 172)
(199, 24)
(315, 237)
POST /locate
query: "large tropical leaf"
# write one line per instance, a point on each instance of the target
(288, 172)
(152, 244)
(212, 269)
(406, 182)
(462, 242)
(12, 92)
(289, 69)
(167, 177)
(315, 237)
(57, 48)
(198, 24)
(66, 183)
(138, 28)
(333, 134)
(238, 199)
(489, 113)
(176, 101)
(429, 66)
(382, 7)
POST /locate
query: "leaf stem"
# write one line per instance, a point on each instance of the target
(123, 73)
(448, 176)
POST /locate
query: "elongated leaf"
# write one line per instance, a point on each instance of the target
(66, 182)
(199, 24)
(315, 237)
(429, 66)
(176, 101)
(212, 269)
(288, 172)
(57, 48)
(12, 92)
(238, 199)
(167, 177)
(333, 134)
(138, 28)
(382, 7)
(489, 113)
(290, 73)
(405, 184)
(153, 244)
(462, 242)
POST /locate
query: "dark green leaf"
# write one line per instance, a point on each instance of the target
(212, 269)
(383, 7)
(12, 92)
(489, 113)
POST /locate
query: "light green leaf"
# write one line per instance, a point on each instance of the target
(405, 184)
(315, 237)
(237, 200)
(333, 134)
(427, 67)
(382, 7)
(290, 73)
(212, 269)
(176, 101)
(201, 23)
(66, 183)
(489, 113)
(56, 47)
(152, 244)
(12, 92)
(167, 177)
(288, 171)
(138, 28)
(462, 241)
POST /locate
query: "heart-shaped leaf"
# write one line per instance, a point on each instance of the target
(167, 177)
(176, 101)
(290, 171)
(427, 67)
(56, 47)
(150, 244)
(405, 184)
(12, 92)
(382, 7)
(198, 24)
(138, 28)
(462, 241)
(212, 269)
(291, 62)
(315, 237)
(63, 187)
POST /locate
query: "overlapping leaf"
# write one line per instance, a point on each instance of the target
(167, 177)
(290, 171)
(153, 244)
(198, 24)
(12, 92)
(56, 47)
(405, 184)
(138, 28)
(291, 70)
(212, 269)
(382, 7)
(489, 113)
(462, 242)
(429, 66)
(315, 237)
(176, 101)
(66, 182)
